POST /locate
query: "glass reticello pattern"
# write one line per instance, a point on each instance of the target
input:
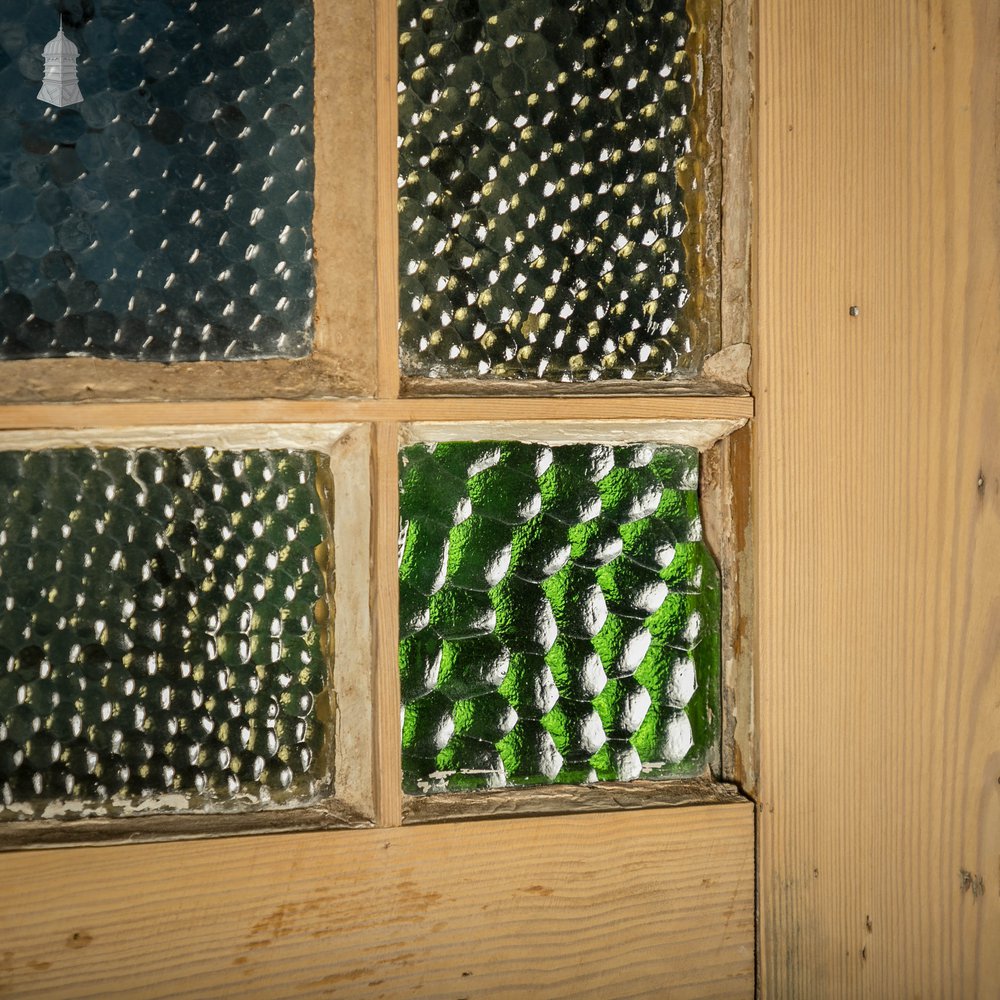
(559, 615)
(164, 630)
(547, 165)
(169, 216)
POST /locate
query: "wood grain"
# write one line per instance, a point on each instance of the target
(877, 494)
(386, 195)
(386, 736)
(360, 410)
(29, 835)
(550, 800)
(97, 380)
(351, 462)
(725, 510)
(699, 434)
(345, 224)
(630, 905)
(737, 188)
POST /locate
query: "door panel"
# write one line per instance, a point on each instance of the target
(877, 497)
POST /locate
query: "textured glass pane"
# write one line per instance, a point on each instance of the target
(164, 629)
(559, 615)
(168, 216)
(551, 188)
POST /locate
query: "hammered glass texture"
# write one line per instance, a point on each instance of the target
(169, 216)
(164, 629)
(541, 211)
(559, 615)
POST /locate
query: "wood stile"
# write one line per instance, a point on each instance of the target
(386, 735)
(728, 527)
(387, 246)
(877, 498)
(611, 905)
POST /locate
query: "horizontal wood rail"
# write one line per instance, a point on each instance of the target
(444, 408)
(622, 904)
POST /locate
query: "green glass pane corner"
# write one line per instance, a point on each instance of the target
(557, 186)
(572, 631)
(167, 631)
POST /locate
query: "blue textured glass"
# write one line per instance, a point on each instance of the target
(169, 216)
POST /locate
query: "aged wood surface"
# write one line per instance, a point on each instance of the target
(386, 174)
(706, 384)
(877, 495)
(402, 411)
(643, 904)
(28, 835)
(386, 737)
(737, 190)
(699, 434)
(725, 498)
(550, 800)
(344, 221)
(351, 462)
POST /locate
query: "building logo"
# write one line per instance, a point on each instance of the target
(59, 86)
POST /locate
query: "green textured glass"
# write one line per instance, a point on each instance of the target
(556, 184)
(560, 615)
(165, 630)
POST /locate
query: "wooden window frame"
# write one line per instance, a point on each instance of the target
(294, 923)
(342, 360)
(348, 448)
(356, 125)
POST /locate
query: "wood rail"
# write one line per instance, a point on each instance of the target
(438, 408)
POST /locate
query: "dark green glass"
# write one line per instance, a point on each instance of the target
(165, 632)
(560, 615)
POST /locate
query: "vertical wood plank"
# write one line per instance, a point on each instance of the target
(385, 620)
(352, 626)
(877, 496)
(725, 506)
(737, 189)
(345, 226)
(387, 216)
